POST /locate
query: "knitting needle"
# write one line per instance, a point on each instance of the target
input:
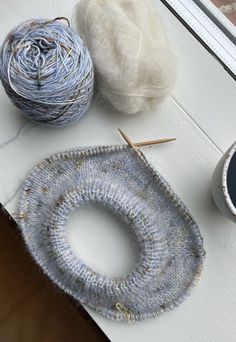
(127, 139)
(144, 143)
(154, 142)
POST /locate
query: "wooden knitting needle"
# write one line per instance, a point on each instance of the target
(127, 139)
(144, 143)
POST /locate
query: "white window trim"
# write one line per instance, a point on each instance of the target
(207, 30)
(219, 16)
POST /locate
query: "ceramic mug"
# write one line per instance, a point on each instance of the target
(223, 186)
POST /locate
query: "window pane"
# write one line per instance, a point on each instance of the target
(222, 12)
(213, 23)
(228, 8)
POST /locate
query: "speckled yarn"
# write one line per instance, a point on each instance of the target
(47, 72)
(120, 179)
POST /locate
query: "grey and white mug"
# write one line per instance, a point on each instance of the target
(223, 186)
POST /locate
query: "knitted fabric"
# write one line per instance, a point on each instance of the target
(120, 179)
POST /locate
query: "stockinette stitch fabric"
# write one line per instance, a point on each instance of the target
(120, 179)
(135, 67)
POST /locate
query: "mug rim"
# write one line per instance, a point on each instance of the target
(227, 197)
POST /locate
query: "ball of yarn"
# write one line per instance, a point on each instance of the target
(135, 67)
(47, 71)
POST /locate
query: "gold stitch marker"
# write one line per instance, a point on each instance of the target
(126, 312)
(144, 143)
(15, 216)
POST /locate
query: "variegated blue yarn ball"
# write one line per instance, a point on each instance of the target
(47, 71)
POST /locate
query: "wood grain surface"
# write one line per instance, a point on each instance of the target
(32, 309)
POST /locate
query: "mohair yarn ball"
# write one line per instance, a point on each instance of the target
(47, 71)
(133, 62)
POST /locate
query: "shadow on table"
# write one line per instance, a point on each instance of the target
(32, 309)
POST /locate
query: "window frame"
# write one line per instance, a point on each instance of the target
(207, 30)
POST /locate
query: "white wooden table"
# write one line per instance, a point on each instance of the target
(201, 113)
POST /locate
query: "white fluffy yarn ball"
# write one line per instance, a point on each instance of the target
(134, 64)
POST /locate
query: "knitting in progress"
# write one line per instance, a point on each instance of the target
(120, 179)
(134, 64)
(47, 71)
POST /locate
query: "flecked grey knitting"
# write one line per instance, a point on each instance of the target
(120, 179)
